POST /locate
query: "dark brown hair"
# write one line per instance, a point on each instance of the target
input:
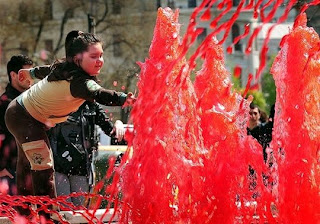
(76, 43)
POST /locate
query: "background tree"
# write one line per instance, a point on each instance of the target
(258, 96)
(268, 87)
(37, 28)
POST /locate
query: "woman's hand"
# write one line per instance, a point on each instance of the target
(131, 99)
(118, 130)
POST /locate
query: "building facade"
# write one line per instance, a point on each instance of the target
(239, 58)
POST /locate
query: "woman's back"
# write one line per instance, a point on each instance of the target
(50, 102)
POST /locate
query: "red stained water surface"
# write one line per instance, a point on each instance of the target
(192, 161)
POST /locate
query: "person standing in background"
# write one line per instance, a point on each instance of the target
(260, 131)
(8, 149)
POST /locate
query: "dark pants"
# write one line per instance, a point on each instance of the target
(35, 176)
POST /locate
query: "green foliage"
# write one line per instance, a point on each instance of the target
(267, 96)
(258, 99)
(269, 90)
(268, 87)
(236, 82)
(258, 96)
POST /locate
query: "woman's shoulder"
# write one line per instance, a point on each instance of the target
(67, 71)
(82, 79)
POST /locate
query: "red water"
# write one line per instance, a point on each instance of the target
(191, 153)
(296, 131)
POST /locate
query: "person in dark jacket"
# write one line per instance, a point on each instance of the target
(73, 144)
(260, 131)
(8, 148)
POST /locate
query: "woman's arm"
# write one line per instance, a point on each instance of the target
(102, 120)
(38, 72)
(88, 89)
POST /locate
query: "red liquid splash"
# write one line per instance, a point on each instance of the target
(203, 176)
(296, 130)
(194, 163)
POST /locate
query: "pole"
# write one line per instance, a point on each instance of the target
(91, 24)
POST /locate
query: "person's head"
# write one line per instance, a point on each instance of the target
(85, 50)
(254, 113)
(16, 63)
(69, 38)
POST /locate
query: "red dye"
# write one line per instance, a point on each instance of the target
(193, 166)
(227, 25)
(153, 180)
(296, 131)
(264, 19)
(237, 71)
(238, 38)
(191, 152)
(263, 55)
(214, 23)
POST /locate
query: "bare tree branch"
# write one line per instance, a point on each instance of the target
(65, 19)
(105, 13)
(41, 25)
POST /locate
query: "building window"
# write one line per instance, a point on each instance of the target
(171, 4)
(202, 35)
(192, 3)
(236, 2)
(24, 48)
(48, 45)
(23, 12)
(235, 34)
(48, 10)
(116, 6)
(117, 51)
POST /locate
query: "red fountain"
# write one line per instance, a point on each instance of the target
(203, 177)
(296, 129)
(191, 152)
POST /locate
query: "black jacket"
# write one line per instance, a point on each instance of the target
(8, 148)
(74, 141)
(263, 134)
